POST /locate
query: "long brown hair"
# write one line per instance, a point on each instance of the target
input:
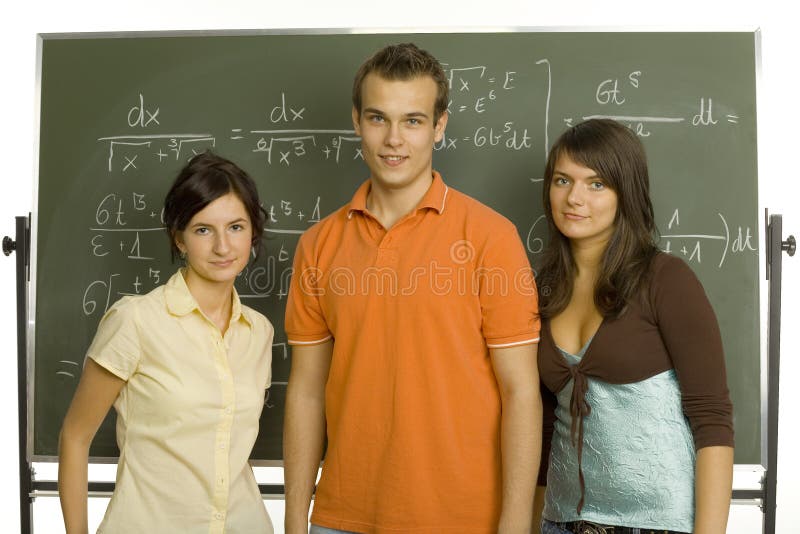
(618, 157)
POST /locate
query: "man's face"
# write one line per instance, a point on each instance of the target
(398, 131)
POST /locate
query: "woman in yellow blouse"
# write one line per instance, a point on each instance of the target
(186, 367)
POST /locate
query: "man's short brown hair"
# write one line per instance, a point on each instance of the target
(403, 62)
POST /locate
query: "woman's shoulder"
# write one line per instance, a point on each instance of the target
(139, 306)
(674, 283)
(257, 319)
(668, 269)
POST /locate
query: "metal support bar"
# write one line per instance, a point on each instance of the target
(775, 245)
(107, 488)
(21, 246)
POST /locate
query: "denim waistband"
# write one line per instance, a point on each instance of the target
(587, 527)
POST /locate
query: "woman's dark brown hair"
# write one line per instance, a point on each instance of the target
(204, 179)
(617, 156)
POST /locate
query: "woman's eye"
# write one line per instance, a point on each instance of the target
(598, 186)
(201, 231)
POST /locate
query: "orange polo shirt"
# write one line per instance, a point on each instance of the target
(412, 404)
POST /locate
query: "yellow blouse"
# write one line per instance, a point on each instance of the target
(187, 418)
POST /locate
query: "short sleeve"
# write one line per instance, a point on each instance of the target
(116, 346)
(508, 296)
(266, 335)
(305, 321)
(691, 334)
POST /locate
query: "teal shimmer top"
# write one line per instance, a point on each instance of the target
(624, 417)
(638, 456)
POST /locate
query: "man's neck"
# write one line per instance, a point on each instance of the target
(390, 205)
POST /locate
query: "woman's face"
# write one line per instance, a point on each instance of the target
(583, 206)
(217, 241)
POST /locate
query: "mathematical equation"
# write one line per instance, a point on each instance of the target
(613, 94)
(115, 211)
(129, 227)
(288, 139)
(693, 247)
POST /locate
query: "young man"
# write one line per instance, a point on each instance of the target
(413, 321)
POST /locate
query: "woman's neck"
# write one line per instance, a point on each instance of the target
(588, 256)
(214, 299)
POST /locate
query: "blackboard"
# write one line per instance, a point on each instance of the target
(121, 114)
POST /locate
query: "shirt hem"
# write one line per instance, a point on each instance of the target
(600, 520)
(513, 343)
(108, 366)
(312, 342)
(358, 526)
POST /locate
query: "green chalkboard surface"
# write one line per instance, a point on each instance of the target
(121, 114)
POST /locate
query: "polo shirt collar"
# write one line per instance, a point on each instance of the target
(180, 301)
(435, 197)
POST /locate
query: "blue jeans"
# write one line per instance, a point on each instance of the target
(548, 527)
(316, 529)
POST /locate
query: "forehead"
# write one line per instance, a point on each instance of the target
(417, 94)
(566, 165)
(227, 207)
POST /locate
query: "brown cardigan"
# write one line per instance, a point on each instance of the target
(671, 325)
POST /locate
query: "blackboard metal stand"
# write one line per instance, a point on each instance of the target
(21, 245)
(775, 246)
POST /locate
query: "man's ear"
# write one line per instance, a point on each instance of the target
(356, 116)
(440, 126)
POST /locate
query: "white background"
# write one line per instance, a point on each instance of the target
(779, 180)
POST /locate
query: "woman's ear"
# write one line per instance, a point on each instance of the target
(177, 238)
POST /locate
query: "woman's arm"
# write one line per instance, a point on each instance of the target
(712, 489)
(96, 392)
(691, 334)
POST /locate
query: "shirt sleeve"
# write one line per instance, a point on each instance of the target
(507, 291)
(692, 337)
(305, 321)
(268, 333)
(116, 346)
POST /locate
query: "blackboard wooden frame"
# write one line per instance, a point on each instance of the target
(30, 315)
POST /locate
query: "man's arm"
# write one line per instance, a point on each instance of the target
(520, 433)
(304, 429)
